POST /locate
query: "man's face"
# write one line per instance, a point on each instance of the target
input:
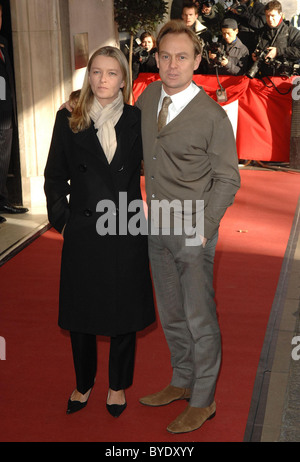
(176, 62)
(273, 17)
(206, 9)
(229, 35)
(189, 16)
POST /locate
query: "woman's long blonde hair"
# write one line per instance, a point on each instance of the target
(80, 119)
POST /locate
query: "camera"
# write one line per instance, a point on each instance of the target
(276, 67)
(238, 6)
(260, 55)
(286, 68)
(218, 50)
(140, 54)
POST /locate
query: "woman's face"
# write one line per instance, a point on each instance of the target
(106, 79)
(147, 43)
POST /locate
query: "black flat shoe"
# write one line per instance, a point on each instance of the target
(75, 406)
(2, 220)
(116, 409)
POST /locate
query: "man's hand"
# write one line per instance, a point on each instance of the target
(66, 105)
(71, 103)
(272, 53)
(204, 240)
(224, 61)
(254, 56)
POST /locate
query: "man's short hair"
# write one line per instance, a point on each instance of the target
(190, 5)
(177, 26)
(273, 5)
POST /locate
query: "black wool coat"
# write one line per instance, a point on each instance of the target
(7, 89)
(105, 285)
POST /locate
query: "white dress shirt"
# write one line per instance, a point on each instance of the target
(179, 100)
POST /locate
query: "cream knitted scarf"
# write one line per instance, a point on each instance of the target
(105, 119)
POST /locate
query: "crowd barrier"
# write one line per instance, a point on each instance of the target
(262, 107)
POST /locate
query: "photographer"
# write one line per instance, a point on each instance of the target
(278, 45)
(250, 16)
(189, 16)
(211, 16)
(230, 55)
(143, 59)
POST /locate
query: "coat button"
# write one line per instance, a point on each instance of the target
(88, 213)
(82, 168)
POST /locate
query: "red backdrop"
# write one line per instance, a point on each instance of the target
(264, 112)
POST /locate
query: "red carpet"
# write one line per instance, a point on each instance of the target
(37, 375)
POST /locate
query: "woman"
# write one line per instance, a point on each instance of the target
(105, 288)
(144, 60)
(148, 41)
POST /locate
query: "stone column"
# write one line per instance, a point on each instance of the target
(41, 42)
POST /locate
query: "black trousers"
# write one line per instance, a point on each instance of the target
(121, 360)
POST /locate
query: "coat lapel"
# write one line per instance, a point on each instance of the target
(88, 141)
(126, 137)
(89, 145)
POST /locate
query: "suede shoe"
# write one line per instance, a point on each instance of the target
(192, 418)
(166, 396)
(75, 406)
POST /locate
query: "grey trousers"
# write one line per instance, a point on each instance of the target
(183, 282)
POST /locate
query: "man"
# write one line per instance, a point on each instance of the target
(190, 18)
(250, 16)
(7, 119)
(193, 157)
(280, 41)
(211, 16)
(143, 59)
(234, 60)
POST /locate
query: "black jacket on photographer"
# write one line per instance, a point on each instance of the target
(286, 39)
(251, 19)
(143, 62)
(238, 56)
(213, 20)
